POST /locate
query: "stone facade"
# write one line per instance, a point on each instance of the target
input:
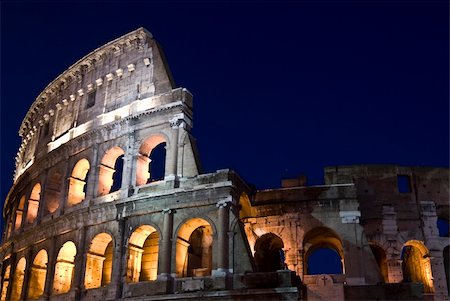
(109, 203)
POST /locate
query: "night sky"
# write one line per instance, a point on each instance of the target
(280, 89)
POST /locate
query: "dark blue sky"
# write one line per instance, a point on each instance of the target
(280, 89)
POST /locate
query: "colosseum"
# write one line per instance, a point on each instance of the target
(109, 203)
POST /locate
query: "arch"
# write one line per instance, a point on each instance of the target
(246, 209)
(110, 171)
(194, 248)
(52, 194)
(380, 257)
(446, 255)
(416, 264)
(19, 213)
(33, 203)
(142, 261)
(99, 261)
(5, 282)
(77, 182)
(323, 252)
(19, 274)
(144, 160)
(64, 268)
(38, 275)
(269, 254)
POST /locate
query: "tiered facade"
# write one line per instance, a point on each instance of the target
(109, 203)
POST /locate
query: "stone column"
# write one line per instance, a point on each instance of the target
(222, 235)
(129, 165)
(395, 272)
(52, 254)
(26, 278)
(120, 261)
(91, 188)
(11, 275)
(166, 247)
(439, 279)
(80, 264)
(172, 156)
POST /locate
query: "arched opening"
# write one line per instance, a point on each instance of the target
(99, 261)
(446, 255)
(143, 247)
(151, 160)
(246, 209)
(38, 275)
(323, 251)
(110, 173)
(19, 213)
(443, 227)
(269, 254)
(33, 203)
(77, 182)
(19, 274)
(380, 257)
(416, 264)
(194, 249)
(53, 190)
(64, 268)
(5, 282)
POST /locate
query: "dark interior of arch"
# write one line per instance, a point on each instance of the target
(324, 260)
(446, 255)
(199, 253)
(269, 254)
(117, 176)
(157, 163)
(380, 257)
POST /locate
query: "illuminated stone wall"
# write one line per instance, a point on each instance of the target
(89, 218)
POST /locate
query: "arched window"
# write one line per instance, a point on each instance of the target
(142, 263)
(380, 257)
(64, 268)
(323, 251)
(269, 254)
(77, 182)
(19, 213)
(443, 227)
(53, 188)
(5, 282)
(38, 275)
(416, 264)
(33, 203)
(99, 261)
(17, 285)
(194, 249)
(151, 161)
(110, 173)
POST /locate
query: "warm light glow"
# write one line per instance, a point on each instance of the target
(99, 261)
(106, 172)
(142, 172)
(416, 265)
(77, 181)
(5, 285)
(19, 274)
(38, 275)
(64, 268)
(19, 213)
(196, 236)
(53, 190)
(33, 203)
(246, 209)
(142, 263)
